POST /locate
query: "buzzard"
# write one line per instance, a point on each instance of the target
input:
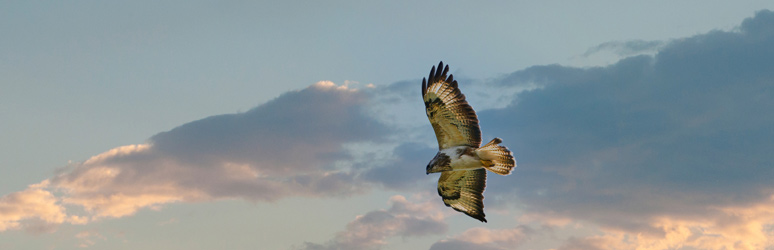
(460, 160)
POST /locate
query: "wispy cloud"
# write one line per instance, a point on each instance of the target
(484, 238)
(372, 230)
(35, 209)
(626, 48)
(88, 238)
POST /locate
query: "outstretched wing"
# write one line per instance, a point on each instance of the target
(464, 191)
(454, 121)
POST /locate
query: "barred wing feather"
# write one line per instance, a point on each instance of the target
(454, 121)
(464, 191)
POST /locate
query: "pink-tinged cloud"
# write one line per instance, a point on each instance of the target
(88, 238)
(593, 243)
(743, 227)
(485, 238)
(372, 230)
(289, 146)
(34, 209)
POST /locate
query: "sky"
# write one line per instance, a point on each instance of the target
(299, 125)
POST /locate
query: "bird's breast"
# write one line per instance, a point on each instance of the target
(463, 158)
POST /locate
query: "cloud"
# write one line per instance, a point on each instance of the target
(484, 238)
(372, 230)
(34, 209)
(298, 129)
(626, 48)
(743, 227)
(88, 238)
(290, 146)
(650, 144)
(460, 245)
(590, 243)
(406, 171)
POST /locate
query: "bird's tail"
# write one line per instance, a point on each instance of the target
(496, 158)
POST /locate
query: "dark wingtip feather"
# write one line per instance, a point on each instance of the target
(438, 73)
(431, 77)
(479, 217)
(424, 87)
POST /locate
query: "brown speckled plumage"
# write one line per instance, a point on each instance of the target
(464, 191)
(455, 124)
(454, 121)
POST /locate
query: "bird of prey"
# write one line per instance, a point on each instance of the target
(460, 160)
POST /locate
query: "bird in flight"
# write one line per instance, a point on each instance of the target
(460, 160)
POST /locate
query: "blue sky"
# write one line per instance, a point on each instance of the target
(195, 125)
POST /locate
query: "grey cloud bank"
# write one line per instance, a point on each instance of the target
(286, 147)
(678, 135)
(297, 129)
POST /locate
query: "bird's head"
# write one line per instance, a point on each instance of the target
(441, 162)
